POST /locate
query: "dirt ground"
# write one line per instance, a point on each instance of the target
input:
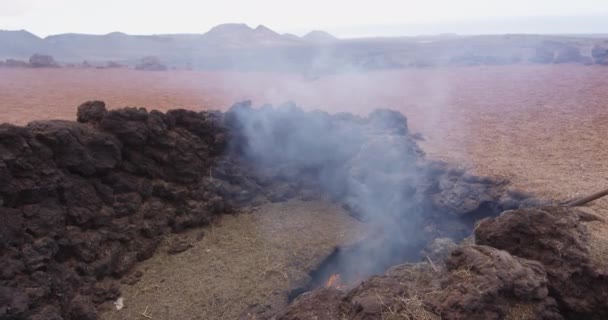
(245, 259)
(542, 127)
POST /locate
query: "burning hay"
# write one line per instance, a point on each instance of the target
(244, 261)
(85, 202)
(544, 271)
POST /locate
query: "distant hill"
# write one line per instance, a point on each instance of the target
(241, 47)
(241, 35)
(19, 44)
(118, 46)
(319, 36)
(291, 36)
(113, 46)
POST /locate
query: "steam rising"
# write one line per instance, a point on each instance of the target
(370, 165)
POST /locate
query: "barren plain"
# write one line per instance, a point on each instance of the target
(542, 127)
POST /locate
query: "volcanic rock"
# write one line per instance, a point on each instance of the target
(486, 283)
(91, 112)
(558, 238)
(480, 283)
(81, 307)
(83, 202)
(151, 64)
(79, 196)
(460, 193)
(43, 61)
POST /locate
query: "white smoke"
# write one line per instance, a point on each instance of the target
(371, 165)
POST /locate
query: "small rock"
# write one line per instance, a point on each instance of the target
(179, 246)
(91, 111)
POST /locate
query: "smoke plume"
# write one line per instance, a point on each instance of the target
(371, 165)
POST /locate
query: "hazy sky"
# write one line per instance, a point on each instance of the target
(342, 17)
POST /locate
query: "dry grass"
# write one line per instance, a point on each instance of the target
(521, 312)
(464, 275)
(542, 127)
(598, 244)
(423, 284)
(246, 259)
(408, 308)
(418, 280)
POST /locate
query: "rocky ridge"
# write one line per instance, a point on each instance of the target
(83, 202)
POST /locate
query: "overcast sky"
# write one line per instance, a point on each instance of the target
(346, 18)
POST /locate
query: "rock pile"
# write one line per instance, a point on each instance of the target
(36, 61)
(560, 240)
(83, 202)
(524, 264)
(43, 61)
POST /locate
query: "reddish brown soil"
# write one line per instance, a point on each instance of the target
(544, 127)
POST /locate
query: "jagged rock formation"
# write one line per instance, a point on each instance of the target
(83, 202)
(559, 239)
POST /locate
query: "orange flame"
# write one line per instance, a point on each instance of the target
(335, 281)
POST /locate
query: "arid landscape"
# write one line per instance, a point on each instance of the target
(312, 160)
(541, 127)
